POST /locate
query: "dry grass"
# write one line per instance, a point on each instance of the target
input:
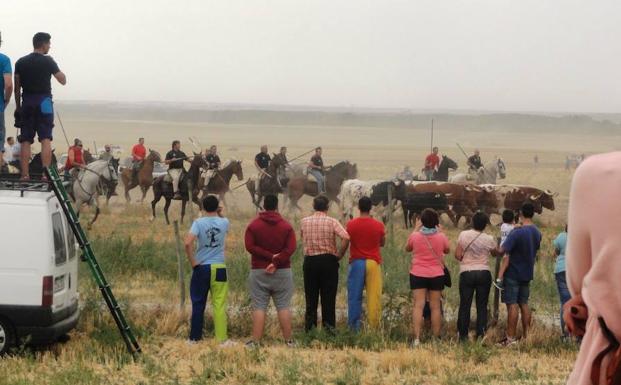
(140, 260)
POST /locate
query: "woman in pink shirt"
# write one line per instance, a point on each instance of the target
(473, 250)
(428, 246)
(593, 267)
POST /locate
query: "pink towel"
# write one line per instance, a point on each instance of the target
(594, 254)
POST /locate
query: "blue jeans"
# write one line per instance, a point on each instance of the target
(563, 292)
(2, 129)
(320, 180)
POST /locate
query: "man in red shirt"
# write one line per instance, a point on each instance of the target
(366, 237)
(432, 161)
(270, 240)
(139, 152)
(75, 160)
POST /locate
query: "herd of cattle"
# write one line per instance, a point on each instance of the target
(453, 199)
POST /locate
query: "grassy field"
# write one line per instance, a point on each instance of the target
(139, 258)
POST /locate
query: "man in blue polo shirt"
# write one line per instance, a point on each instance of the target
(6, 85)
(521, 245)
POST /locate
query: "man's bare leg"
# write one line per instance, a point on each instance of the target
(46, 152)
(24, 159)
(526, 318)
(258, 323)
(284, 317)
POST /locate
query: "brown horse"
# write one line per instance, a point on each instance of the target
(335, 176)
(144, 177)
(219, 182)
(269, 185)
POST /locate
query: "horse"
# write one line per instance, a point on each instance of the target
(86, 184)
(335, 176)
(219, 182)
(442, 175)
(488, 174)
(163, 188)
(272, 184)
(35, 166)
(144, 177)
(105, 187)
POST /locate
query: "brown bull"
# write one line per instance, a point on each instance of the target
(512, 197)
(462, 199)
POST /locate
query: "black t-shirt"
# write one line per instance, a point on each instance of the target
(263, 160)
(213, 161)
(35, 73)
(173, 154)
(475, 161)
(317, 161)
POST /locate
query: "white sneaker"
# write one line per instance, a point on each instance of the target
(416, 343)
(228, 344)
(191, 342)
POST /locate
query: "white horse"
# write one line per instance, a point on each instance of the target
(488, 174)
(85, 185)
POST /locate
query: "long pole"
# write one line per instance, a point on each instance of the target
(431, 149)
(462, 150)
(63, 128)
(306, 153)
(180, 267)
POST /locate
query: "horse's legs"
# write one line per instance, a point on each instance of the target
(166, 206)
(144, 193)
(90, 224)
(183, 202)
(127, 198)
(156, 198)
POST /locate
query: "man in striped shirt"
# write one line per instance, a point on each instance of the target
(319, 234)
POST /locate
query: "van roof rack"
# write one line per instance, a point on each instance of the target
(13, 182)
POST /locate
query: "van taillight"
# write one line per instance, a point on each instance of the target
(47, 297)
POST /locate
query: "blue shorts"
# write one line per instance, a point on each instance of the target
(2, 129)
(36, 118)
(515, 292)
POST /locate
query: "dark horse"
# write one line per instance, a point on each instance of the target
(335, 176)
(219, 182)
(35, 168)
(442, 174)
(269, 185)
(163, 188)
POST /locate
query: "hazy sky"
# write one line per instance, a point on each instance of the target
(533, 55)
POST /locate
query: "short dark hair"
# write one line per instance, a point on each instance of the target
(321, 203)
(479, 221)
(8, 139)
(270, 202)
(76, 141)
(528, 210)
(211, 203)
(430, 218)
(40, 38)
(365, 204)
(175, 142)
(508, 216)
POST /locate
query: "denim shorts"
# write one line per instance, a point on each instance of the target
(515, 292)
(36, 118)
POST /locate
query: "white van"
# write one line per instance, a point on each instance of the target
(38, 266)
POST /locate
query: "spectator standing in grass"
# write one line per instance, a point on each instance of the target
(367, 237)
(560, 245)
(428, 245)
(521, 245)
(319, 234)
(204, 247)
(270, 240)
(474, 248)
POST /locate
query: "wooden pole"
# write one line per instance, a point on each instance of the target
(180, 268)
(496, 292)
(391, 237)
(190, 200)
(431, 149)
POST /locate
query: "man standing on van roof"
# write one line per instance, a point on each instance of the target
(34, 113)
(6, 85)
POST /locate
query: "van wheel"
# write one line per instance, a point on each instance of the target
(7, 337)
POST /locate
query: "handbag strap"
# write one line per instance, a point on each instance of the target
(432, 249)
(471, 242)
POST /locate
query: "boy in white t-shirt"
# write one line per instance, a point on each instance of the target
(508, 224)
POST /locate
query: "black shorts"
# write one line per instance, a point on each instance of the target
(435, 283)
(36, 118)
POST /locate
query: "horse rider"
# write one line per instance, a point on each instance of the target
(107, 154)
(317, 170)
(213, 163)
(432, 161)
(282, 170)
(75, 160)
(174, 159)
(139, 152)
(262, 162)
(474, 161)
(406, 174)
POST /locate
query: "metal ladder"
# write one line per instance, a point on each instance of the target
(88, 255)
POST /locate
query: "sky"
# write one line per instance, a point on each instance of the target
(495, 55)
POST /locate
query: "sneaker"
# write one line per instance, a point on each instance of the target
(291, 344)
(228, 344)
(416, 343)
(507, 341)
(191, 342)
(252, 344)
